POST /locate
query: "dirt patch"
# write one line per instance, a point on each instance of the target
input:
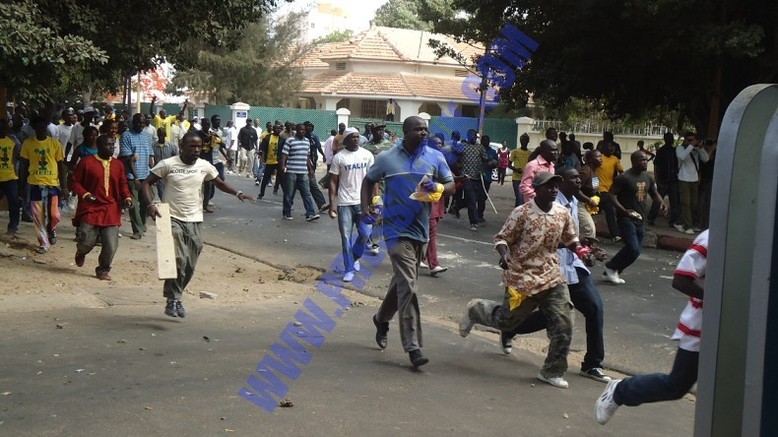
(54, 278)
(302, 274)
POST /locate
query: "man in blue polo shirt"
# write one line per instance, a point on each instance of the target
(406, 226)
(136, 153)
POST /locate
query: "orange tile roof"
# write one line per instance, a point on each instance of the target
(390, 44)
(312, 59)
(395, 84)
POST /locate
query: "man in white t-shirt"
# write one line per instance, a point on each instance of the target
(65, 132)
(184, 175)
(230, 143)
(689, 279)
(347, 170)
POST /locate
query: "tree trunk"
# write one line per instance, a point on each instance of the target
(714, 119)
(3, 102)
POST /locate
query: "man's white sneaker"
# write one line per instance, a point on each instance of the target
(348, 277)
(423, 265)
(679, 227)
(556, 381)
(437, 269)
(606, 406)
(357, 266)
(613, 276)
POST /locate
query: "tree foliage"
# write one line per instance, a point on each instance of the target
(409, 14)
(693, 56)
(101, 42)
(34, 55)
(335, 36)
(690, 56)
(259, 71)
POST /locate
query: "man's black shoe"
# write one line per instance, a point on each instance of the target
(170, 308)
(417, 358)
(381, 329)
(180, 309)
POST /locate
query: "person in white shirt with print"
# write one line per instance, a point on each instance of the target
(184, 175)
(347, 170)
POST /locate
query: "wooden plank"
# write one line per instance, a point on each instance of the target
(166, 251)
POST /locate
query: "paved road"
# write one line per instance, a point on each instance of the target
(640, 315)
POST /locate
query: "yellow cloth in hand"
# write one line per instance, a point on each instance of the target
(516, 298)
(594, 210)
(428, 196)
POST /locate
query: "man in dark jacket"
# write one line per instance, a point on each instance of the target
(247, 144)
(666, 176)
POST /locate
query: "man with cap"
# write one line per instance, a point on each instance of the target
(583, 292)
(348, 168)
(527, 244)
(377, 142)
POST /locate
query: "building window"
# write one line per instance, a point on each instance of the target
(340, 66)
(373, 109)
(461, 72)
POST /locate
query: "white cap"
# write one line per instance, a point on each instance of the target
(350, 131)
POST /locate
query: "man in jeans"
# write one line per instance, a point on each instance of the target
(527, 244)
(688, 278)
(628, 194)
(406, 223)
(347, 170)
(297, 166)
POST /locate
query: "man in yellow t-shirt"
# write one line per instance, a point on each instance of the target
(269, 149)
(162, 120)
(43, 168)
(9, 187)
(607, 172)
(518, 160)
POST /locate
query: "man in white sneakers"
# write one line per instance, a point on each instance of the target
(347, 170)
(688, 279)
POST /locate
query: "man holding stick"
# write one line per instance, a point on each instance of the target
(184, 175)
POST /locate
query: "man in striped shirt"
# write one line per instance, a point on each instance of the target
(688, 279)
(136, 153)
(297, 167)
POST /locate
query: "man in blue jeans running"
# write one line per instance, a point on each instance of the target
(347, 170)
(628, 193)
(688, 279)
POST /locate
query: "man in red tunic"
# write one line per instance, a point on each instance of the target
(101, 186)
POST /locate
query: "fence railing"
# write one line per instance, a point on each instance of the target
(598, 127)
